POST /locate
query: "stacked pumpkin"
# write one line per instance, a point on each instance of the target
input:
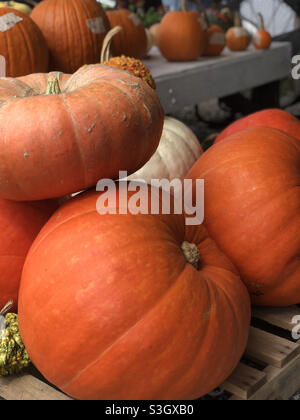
(252, 203)
(106, 300)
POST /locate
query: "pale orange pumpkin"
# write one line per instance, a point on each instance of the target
(181, 35)
(154, 32)
(237, 37)
(262, 39)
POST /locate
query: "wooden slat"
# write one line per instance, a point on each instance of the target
(244, 381)
(28, 388)
(280, 317)
(270, 349)
(281, 383)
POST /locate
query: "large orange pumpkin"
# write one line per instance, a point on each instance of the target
(274, 118)
(19, 225)
(132, 40)
(181, 36)
(252, 209)
(103, 120)
(110, 307)
(74, 31)
(22, 44)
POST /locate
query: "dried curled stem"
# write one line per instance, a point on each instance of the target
(105, 52)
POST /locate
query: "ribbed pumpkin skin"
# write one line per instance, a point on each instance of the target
(70, 40)
(252, 210)
(274, 118)
(23, 46)
(107, 314)
(19, 225)
(181, 36)
(105, 120)
(132, 40)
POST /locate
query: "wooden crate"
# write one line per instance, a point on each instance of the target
(270, 370)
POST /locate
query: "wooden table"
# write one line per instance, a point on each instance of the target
(183, 84)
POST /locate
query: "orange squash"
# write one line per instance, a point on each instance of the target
(22, 44)
(181, 36)
(106, 314)
(274, 118)
(19, 225)
(262, 38)
(237, 37)
(252, 209)
(132, 41)
(98, 121)
(74, 31)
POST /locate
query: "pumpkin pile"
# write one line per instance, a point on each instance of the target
(106, 300)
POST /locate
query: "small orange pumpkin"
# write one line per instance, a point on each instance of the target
(181, 36)
(215, 40)
(262, 39)
(237, 37)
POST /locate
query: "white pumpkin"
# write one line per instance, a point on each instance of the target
(177, 152)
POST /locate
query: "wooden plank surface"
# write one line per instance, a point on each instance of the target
(280, 317)
(244, 381)
(270, 349)
(28, 388)
(183, 84)
(281, 383)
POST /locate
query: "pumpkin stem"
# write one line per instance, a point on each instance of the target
(53, 87)
(191, 253)
(237, 20)
(183, 6)
(262, 22)
(105, 52)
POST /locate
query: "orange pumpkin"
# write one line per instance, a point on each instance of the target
(215, 40)
(19, 225)
(274, 118)
(132, 40)
(262, 38)
(252, 209)
(237, 37)
(181, 36)
(74, 31)
(98, 121)
(22, 44)
(105, 314)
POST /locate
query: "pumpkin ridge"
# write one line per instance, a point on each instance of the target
(77, 138)
(30, 52)
(128, 331)
(79, 25)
